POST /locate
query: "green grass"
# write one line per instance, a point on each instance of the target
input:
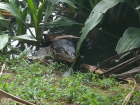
(42, 85)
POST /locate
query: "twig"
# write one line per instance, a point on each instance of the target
(130, 72)
(113, 58)
(2, 68)
(121, 66)
(4, 95)
(127, 98)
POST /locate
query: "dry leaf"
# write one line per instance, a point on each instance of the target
(127, 98)
(2, 68)
(52, 37)
(93, 68)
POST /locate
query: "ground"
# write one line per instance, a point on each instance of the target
(36, 83)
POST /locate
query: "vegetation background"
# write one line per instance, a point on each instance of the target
(105, 28)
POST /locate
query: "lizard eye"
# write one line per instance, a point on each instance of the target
(66, 52)
(60, 50)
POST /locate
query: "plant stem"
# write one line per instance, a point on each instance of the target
(111, 34)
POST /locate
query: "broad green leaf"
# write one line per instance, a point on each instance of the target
(91, 3)
(20, 24)
(129, 40)
(24, 3)
(15, 3)
(6, 25)
(25, 37)
(61, 22)
(50, 7)
(24, 13)
(36, 21)
(14, 11)
(138, 7)
(95, 17)
(7, 1)
(36, 25)
(31, 5)
(3, 40)
(4, 22)
(40, 10)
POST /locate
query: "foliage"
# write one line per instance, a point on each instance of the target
(36, 14)
(94, 18)
(61, 22)
(14, 8)
(45, 85)
(3, 40)
(130, 40)
(33, 9)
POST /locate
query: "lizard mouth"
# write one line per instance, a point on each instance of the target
(64, 56)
